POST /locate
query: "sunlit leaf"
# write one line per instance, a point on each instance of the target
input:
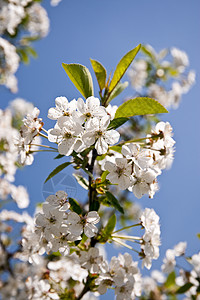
(139, 106)
(117, 90)
(122, 67)
(115, 123)
(100, 73)
(170, 280)
(81, 78)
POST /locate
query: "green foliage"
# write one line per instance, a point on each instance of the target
(198, 235)
(139, 106)
(122, 67)
(106, 232)
(103, 176)
(117, 90)
(59, 156)
(57, 170)
(183, 289)
(74, 206)
(100, 73)
(115, 123)
(114, 202)
(110, 226)
(81, 78)
(170, 280)
(117, 148)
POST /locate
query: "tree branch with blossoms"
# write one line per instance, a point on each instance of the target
(61, 244)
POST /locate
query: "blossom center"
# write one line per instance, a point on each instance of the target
(68, 135)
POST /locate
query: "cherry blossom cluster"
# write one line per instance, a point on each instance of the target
(81, 124)
(28, 140)
(187, 277)
(123, 274)
(149, 242)
(151, 238)
(18, 16)
(147, 74)
(10, 120)
(138, 166)
(57, 227)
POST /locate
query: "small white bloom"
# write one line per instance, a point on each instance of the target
(67, 133)
(96, 132)
(169, 261)
(180, 248)
(90, 109)
(120, 172)
(63, 108)
(91, 260)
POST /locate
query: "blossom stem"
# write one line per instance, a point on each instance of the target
(125, 245)
(43, 135)
(45, 146)
(127, 227)
(44, 150)
(45, 130)
(127, 237)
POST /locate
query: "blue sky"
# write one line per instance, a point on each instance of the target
(106, 30)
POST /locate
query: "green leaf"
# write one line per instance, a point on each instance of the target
(100, 73)
(117, 90)
(170, 280)
(103, 176)
(57, 170)
(198, 235)
(184, 288)
(115, 123)
(75, 206)
(81, 78)
(114, 202)
(172, 297)
(110, 226)
(32, 52)
(122, 67)
(117, 148)
(24, 55)
(59, 156)
(139, 106)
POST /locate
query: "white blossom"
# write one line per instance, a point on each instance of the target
(38, 22)
(67, 133)
(97, 133)
(63, 108)
(120, 172)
